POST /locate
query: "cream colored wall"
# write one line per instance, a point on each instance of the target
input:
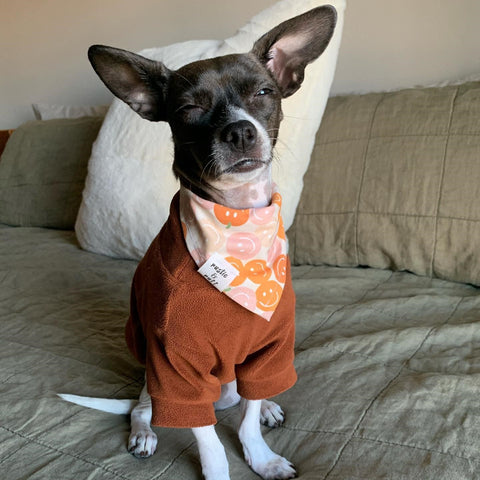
(386, 44)
(44, 42)
(400, 43)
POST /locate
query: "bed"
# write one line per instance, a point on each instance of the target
(386, 263)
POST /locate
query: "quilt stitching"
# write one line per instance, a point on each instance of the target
(352, 477)
(440, 190)
(394, 214)
(44, 432)
(90, 462)
(167, 468)
(370, 357)
(63, 452)
(138, 383)
(362, 178)
(365, 357)
(5, 457)
(339, 309)
(312, 430)
(55, 355)
(416, 447)
(400, 135)
(382, 442)
(384, 389)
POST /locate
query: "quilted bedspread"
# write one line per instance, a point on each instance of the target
(388, 365)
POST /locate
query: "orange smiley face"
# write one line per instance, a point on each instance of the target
(230, 216)
(268, 295)
(258, 271)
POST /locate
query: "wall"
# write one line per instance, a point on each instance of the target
(386, 44)
(390, 43)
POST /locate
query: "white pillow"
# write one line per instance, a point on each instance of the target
(45, 111)
(130, 181)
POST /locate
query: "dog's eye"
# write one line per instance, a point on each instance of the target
(264, 91)
(190, 112)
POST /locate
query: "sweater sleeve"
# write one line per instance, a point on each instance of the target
(180, 366)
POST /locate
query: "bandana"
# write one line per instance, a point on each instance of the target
(242, 253)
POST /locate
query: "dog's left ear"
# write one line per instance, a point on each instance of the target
(288, 48)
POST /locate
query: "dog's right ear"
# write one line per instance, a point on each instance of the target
(139, 82)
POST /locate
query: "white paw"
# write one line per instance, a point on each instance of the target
(266, 463)
(271, 414)
(142, 442)
(278, 468)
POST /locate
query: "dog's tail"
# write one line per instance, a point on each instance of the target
(110, 405)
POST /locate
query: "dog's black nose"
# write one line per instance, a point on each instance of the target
(241, 135)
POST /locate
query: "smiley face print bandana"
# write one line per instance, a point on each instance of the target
(241, 252)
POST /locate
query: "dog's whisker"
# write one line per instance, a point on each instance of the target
(292, 117)
(286, 146)
(206, 170)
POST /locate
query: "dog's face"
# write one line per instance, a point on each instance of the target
(224, 112)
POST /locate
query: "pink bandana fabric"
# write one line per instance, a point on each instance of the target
(243, 253)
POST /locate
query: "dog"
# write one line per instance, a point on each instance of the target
(224, 115)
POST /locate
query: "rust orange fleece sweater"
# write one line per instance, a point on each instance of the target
(193, 338)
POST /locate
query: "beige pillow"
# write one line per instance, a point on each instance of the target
(394, 182)
(43, 170)
(46, 111)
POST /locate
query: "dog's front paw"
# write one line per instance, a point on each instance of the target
(271, 414)
(278, 468)
(142, 443)
(266, 463)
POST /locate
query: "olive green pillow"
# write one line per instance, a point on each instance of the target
(43, 170)
(394, 182)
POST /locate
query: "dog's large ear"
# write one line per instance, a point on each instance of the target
(291, 46)
(138, 81)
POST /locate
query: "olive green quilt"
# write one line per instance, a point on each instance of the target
(388, 366)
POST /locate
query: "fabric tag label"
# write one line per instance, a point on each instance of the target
(218, 271)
